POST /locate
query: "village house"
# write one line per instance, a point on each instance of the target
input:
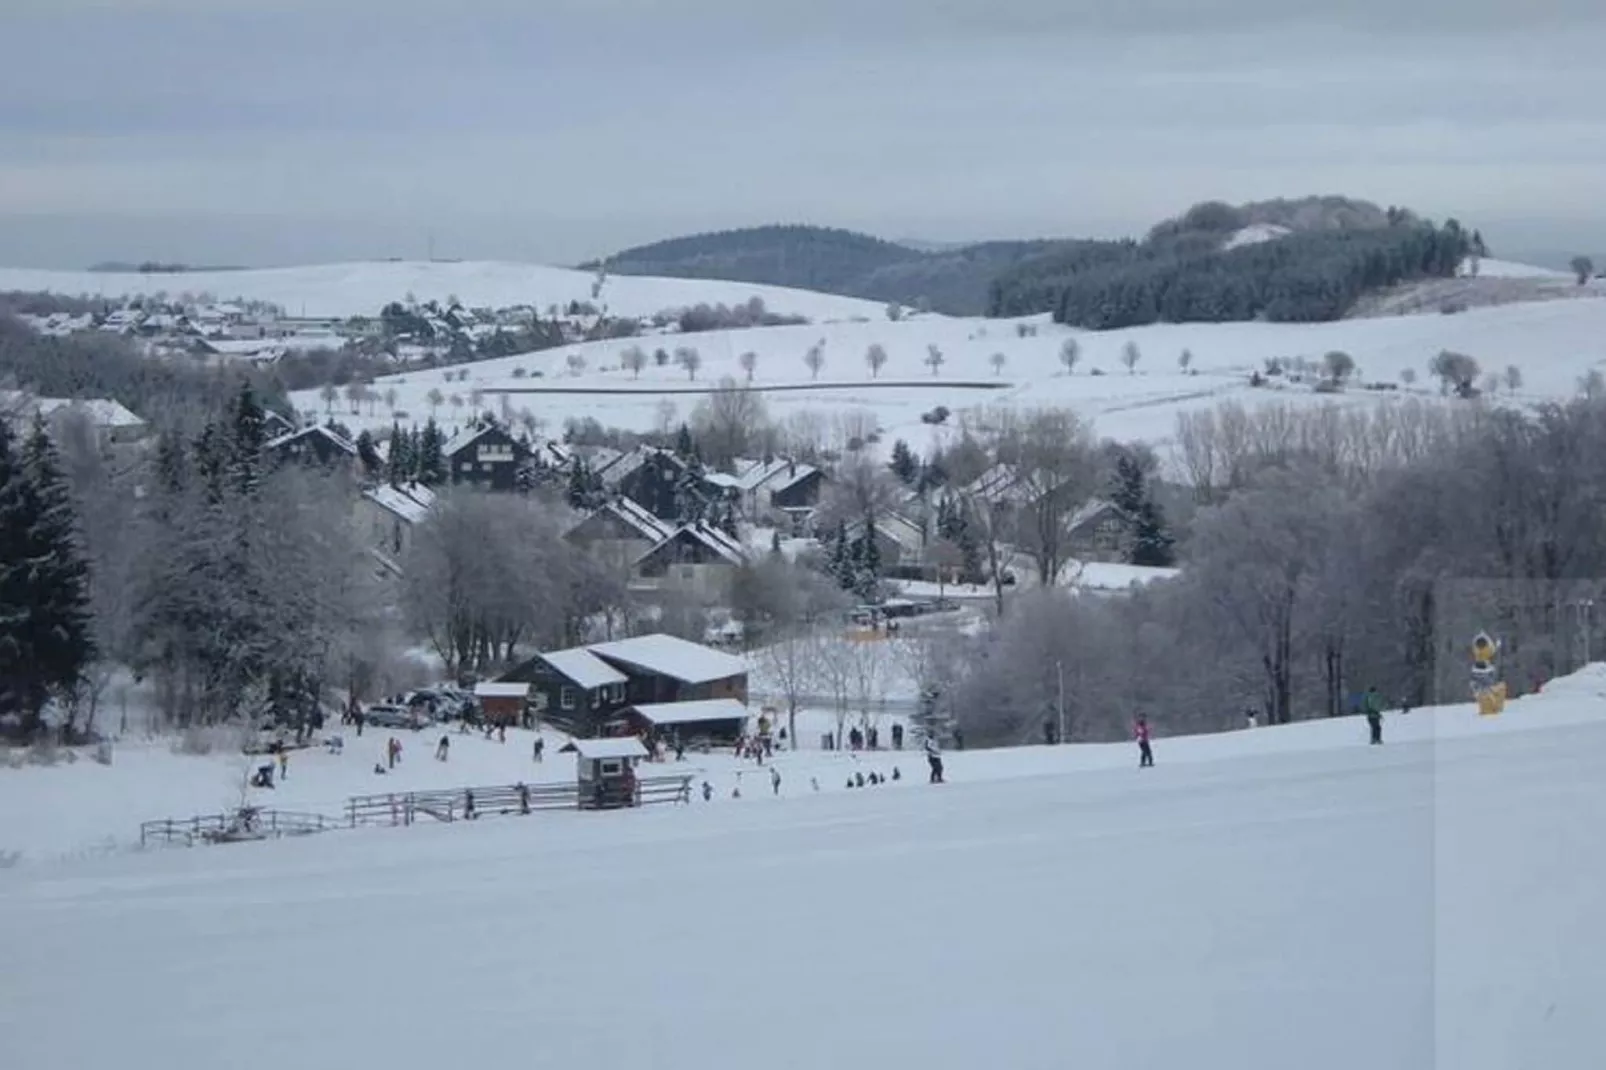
(113, 424)
(387, 515)
(587, 689)
(899, 541)
(780, 486)
(658, 481)
(488, 457)
(316, 445)
(697, 558)
(1100, 531)
(620, 533)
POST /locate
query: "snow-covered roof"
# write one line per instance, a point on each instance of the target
(1092, 508)
(666, 655)
(501, 689)
(615, 747)
(411, 504)
(716, 540)
(102, 412)
(711, 709)
(583, 667)
(464, 438)
(340, 441)
(722, 479)
(780, 471)
(641, 518)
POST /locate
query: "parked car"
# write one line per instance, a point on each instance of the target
(411, 717)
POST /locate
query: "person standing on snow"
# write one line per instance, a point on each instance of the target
(1372, 704)
(934, 759)
(443, 748)
(284, 762)
(775, 780)
(1140, 732)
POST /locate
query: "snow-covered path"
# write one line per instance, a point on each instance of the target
(1430, 903)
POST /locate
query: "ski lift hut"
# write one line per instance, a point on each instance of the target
(605, 772)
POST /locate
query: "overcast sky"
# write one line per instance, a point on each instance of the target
(281, 131)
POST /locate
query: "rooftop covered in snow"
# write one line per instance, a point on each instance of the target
(694, 712)
(678, 659)
(584, 668)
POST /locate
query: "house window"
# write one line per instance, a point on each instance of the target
(485, 466)
(566, 697)
(609, 767)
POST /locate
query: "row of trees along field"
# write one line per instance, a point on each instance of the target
(1190, 273)
(1333, 551)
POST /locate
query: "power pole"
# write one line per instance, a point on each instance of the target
(1059, 670)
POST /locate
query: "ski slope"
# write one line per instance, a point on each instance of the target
(1261, 899)
(1552, 343)
(363, 288)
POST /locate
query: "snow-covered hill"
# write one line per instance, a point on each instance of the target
(1263, 898)
(1551, 343)
(363, 288)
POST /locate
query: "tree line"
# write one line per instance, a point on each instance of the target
(1182, 277)
(1314, 570)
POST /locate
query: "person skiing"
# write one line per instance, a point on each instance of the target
(934, 759)
(524, 798)
(775, 780)
(1140, 732)
(284, 762)
(1372, 705)
(443, 748)
(540, 746)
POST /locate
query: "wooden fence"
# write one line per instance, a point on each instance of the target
(247, 824)
(407, 807)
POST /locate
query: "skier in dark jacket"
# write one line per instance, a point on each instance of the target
(934, 759)
(1372, 704)
(1140, 732)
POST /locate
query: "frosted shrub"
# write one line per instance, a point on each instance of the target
(201, 740)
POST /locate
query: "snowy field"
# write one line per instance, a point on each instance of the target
(363, 288)
(1552, 343)
(1265, 898)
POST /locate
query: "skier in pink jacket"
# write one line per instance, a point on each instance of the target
(1140, 732)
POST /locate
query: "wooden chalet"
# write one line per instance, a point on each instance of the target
(316, 445)
(620, 533)
(699, 557)
(1100, 531)
(488, 457)
(899, 540)
(584, 689)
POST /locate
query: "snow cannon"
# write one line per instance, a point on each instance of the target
(1487, 688)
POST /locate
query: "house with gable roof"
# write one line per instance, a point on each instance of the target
(487, 456)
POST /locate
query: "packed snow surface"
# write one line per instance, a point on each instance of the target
(363, 288)
(1270, 897)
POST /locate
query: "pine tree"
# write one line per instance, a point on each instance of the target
(368, 454)
(775, 544)
(685, 448)
(399, 463)
(248, 435)
(45, 639)
(578, 492)
(904, 465)
(1152, 545)
(841, 563)
(431, 456)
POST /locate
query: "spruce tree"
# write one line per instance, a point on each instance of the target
(45, 638)
(685, 448)
(841, 563)
(399, 463)
(431, 456)
(904, 465)
(248, 434)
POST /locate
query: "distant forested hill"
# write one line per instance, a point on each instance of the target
(1295, 260)
(1288, 261)
(955, 280)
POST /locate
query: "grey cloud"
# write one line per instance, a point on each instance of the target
(559, 130)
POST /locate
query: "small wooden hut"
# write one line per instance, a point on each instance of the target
(606, 771)
(502, 703)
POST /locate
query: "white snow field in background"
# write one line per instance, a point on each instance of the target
(1268, 898)
(362, 288)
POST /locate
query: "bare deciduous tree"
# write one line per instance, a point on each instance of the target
(1070, 353)
(875, 358)
(688, 357)
(633, 359)
(814, 360)
(998, 360)
(728, 420)
(749, 363)
(1130, 355)
(934, 358)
